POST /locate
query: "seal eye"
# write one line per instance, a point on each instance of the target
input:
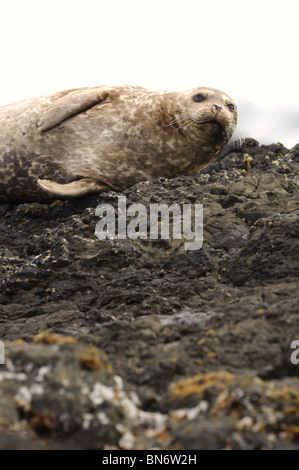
(231, 107)
(199, 98)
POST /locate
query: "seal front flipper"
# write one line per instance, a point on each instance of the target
(74, 189)
(73, 103)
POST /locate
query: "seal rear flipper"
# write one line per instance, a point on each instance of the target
(74, 189)
(73, 103)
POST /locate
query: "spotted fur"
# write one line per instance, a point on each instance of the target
(107, 137)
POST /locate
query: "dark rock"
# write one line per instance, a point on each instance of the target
(142, 344)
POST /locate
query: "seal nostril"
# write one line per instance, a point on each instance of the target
(218, 108)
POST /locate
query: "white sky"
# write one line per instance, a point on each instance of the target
(249, 49)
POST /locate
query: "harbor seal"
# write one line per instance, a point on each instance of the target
(90, 140)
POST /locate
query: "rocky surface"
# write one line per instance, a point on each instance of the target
(140, 344)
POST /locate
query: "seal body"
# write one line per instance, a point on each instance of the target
(90, 140)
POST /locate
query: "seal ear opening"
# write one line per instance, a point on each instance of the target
(71, 104)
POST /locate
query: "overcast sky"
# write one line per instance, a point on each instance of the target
(249, 49)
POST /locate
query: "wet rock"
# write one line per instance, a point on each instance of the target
(140, 344)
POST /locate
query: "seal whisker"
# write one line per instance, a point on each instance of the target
(185, 120)
(177, 120)
(238, 139)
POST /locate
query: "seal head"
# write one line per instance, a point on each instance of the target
(208, 119)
